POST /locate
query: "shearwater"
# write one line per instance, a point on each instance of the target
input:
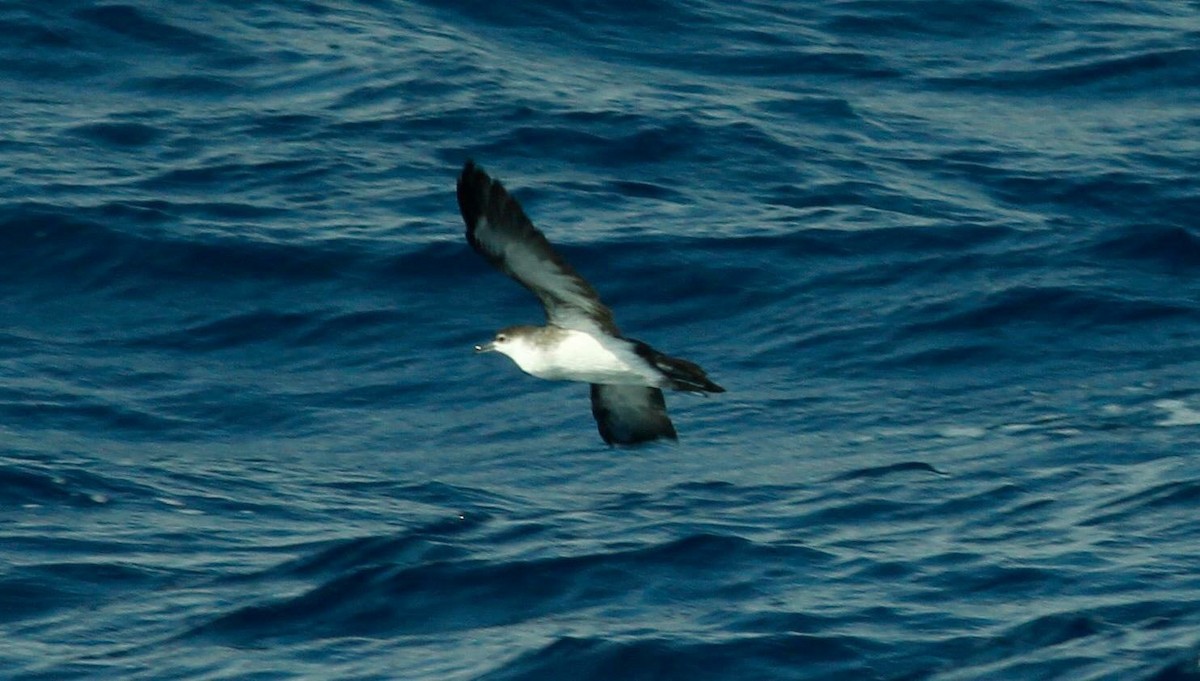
(580, 341)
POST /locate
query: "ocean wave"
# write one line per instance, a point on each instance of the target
(1166, 68)
(777, 656)
(941, 254)
(454, 595)
(116, 244)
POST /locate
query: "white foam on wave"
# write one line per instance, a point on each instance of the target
(1178, 413)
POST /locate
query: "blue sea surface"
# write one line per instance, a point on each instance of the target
(943, 254)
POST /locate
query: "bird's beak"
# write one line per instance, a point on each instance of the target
(486, 347)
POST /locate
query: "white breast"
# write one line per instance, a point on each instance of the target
(579, 356)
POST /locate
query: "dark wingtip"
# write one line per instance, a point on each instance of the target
(472, 175)
(472, 192)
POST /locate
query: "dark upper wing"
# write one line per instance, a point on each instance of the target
(499, 231)
(629, 414)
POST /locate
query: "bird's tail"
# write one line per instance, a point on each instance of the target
(680, 373)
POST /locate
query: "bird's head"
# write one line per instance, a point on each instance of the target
(513, 341)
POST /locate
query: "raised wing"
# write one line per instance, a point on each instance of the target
(498, 230)
(629, 414)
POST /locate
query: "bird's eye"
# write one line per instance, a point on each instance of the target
(500, 338)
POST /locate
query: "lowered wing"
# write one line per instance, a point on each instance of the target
(629, 414)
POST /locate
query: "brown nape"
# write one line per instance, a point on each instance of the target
(542, 336)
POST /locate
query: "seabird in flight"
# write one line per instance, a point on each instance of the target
(580, 341)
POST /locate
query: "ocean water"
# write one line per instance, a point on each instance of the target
(944, 255)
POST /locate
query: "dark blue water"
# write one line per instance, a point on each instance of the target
(943, 255)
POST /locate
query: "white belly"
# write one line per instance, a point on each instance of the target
(582, 357)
